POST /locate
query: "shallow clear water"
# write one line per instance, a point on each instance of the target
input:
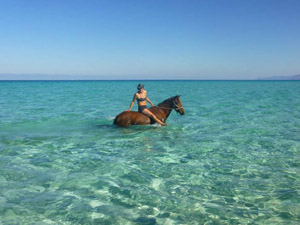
(234, 158)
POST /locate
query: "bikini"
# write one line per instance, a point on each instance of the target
(141, 107)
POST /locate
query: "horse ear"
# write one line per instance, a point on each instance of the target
(177, 96)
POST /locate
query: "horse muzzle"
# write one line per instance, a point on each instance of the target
(181, 111)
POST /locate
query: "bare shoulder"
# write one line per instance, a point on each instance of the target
(134, 97)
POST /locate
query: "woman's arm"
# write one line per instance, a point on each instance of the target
(132, 103)
(148, 100)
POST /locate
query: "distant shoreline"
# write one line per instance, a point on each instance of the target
(35, 77)
(294, 77)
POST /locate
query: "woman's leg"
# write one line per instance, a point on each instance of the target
(147, 112)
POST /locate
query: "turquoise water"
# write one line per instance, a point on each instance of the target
(234, 158)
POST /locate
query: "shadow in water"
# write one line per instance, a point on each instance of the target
(105, 126)
(127, 130)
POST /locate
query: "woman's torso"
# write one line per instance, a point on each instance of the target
(141, 98)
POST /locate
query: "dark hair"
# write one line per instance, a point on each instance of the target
(140, 86)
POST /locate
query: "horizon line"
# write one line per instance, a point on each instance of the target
(47, 80)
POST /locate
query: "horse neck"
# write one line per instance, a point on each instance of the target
(166, 107)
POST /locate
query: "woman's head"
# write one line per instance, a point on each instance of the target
(140, 87)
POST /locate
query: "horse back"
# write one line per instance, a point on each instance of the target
(126, 118)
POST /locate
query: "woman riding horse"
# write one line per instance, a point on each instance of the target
(141, 97)
(161, 112)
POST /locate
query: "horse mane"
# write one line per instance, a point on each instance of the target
(167, 101)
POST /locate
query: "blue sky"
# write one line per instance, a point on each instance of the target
(149, 39)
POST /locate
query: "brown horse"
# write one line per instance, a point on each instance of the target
(161, 111)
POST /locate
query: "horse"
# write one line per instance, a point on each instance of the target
(161, 111)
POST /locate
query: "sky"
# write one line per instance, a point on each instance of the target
(149, 39)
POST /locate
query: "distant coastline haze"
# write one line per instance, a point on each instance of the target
(12, 77)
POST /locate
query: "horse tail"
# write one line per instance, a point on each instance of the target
(116, 120)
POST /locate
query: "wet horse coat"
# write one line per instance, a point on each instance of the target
(161, 111)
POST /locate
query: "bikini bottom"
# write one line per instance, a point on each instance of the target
(142, 107)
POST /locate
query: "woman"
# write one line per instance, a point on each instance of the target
(141, 97)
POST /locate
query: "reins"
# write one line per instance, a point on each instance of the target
(177, 107)
(174, 104)
(163, 107)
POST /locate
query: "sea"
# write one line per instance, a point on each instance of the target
(233, 158)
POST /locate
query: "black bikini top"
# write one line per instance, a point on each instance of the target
(141, 99)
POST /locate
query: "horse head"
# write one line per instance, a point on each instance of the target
(177, 105)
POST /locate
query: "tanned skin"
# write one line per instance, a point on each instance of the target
(142, 93)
